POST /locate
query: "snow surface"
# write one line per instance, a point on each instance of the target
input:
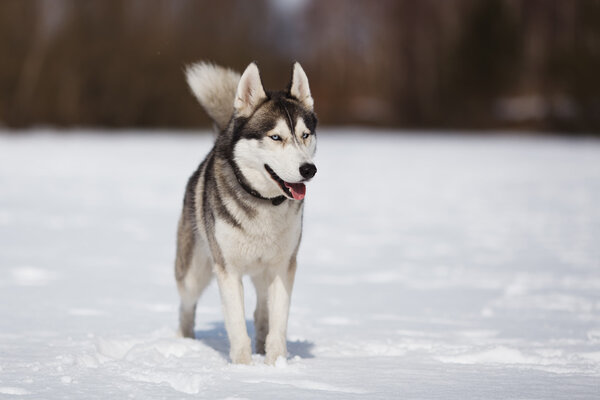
(433, 266)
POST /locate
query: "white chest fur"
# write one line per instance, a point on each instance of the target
(267, 240)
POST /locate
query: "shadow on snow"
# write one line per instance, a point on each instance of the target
(216, 338)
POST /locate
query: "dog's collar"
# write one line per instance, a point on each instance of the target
(274, 200)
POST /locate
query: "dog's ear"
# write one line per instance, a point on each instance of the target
(250, 92)
(299, 86)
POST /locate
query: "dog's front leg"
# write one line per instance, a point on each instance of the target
(232, 298)
(280, 292)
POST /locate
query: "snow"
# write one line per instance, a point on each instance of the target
(434, 265)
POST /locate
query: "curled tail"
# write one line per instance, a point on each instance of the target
(215, 88)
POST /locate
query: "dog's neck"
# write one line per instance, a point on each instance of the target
(248, 189)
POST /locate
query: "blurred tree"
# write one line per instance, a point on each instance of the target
(119, 63)
(574, 66)
(16, 46)
(484, 64)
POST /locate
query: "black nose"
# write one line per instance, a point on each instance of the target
(308, 170)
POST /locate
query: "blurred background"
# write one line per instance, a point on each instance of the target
(433, 264)
(453, 64)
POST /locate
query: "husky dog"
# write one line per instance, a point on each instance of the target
(242, 210)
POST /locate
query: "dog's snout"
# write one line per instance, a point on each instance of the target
(308, 170)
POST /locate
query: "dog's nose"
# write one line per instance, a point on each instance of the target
(308, 170)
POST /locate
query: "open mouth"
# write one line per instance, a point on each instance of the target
(294, 191)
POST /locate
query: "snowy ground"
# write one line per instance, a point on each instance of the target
(432, 267)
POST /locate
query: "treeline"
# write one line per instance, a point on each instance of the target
(530, 64)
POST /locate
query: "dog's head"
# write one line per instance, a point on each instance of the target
(273, 133)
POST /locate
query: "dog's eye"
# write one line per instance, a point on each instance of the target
(275, 137)
(305, 135)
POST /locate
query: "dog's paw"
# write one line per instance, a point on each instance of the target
(276, 348)
(241, 354)
(186, 333)
(260, 346)
(276, 359)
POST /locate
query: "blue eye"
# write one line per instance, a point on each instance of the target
(275, 137)
(305, 135)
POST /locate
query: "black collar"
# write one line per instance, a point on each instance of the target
(238, 175)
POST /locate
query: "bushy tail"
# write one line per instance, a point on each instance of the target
(215, 88)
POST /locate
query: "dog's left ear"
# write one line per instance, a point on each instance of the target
(250, 93)
(299, 87)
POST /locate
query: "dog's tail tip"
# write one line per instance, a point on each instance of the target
(215, 88)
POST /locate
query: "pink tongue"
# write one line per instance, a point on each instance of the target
(298, 190)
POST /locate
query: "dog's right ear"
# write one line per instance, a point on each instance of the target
(299, 86)
(250, 92)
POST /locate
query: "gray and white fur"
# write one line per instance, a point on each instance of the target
(242, 210)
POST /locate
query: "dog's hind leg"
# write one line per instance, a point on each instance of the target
(187, 314)
(190, 289)
(193, 274)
